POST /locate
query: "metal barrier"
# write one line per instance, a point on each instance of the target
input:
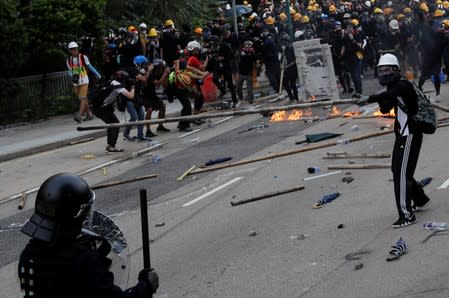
(36, 88)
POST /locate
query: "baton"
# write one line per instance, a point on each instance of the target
(145, 231)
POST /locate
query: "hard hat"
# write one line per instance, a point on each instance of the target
(198, 30)
(305, 19)
(309, 7)
(400, 16)
(346, 16)
(245, 2)
(62, 203)
(388, 10)
(337, 25)
(269, 20)
(378, 10)
(131, 28)
(282, 16)
(193, 45)
(446, 4)
(324, 16)
(143, 26)
(140, 59)
(439, 2)
(368, 4)
(355, 22)
(445, 24)
(394, 24)
(72, 45)
(424, 7)
(298, 34)
(438, 13)
(297, 16)
(248, 44)
(169, 23)
(152, 32)
(315, 7)
(332, 8)
(388, 59)
(409, 10)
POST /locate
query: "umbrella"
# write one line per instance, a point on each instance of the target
(241, 10)
(319, 137)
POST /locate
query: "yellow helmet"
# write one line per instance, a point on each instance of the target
(445, 23)
(297, 17)
(446, 4)
(400, 16)
(355, 22)
(378, 10)
(305, 19)
(438, 13)
(245, 2)
(282, 16)
(309, 7)
(269, 20)
(131, 28)
(152, 32)
(424, 7)
(169, 23)
(408, 10)
(439, 2)
(198, 30)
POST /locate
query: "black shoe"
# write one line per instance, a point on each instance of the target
(350, 90)
(356, 95)
(162, 128)
(197, 122)
(403, 222)
(416, 208)
(187, 129)
(150, 134)
(128, 138)
(112, 150)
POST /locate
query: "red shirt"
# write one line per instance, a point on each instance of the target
(194, 62)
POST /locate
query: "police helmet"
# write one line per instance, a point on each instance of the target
(62, 203)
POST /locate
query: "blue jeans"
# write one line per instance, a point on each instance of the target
(135, 114)
(355, 69)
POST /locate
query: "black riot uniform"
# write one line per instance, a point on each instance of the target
(59, 261)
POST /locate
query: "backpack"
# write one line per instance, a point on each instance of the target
(425, 120)
(98, 94)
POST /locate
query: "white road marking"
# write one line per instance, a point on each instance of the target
(211, 192)
(444, 185)
(323, 175)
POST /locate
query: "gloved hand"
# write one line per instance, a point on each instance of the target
(362, 100)
(150, 276)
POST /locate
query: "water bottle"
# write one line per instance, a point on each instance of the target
(434, 225)
(153, 143)
(156, 159)
(329, 198)
(343, 141)
(354, 128)
(313, 170)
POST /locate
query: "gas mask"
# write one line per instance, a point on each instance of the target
(389, 77)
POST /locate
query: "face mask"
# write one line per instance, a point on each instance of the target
(389, 79)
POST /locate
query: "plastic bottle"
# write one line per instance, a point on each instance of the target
(343, 141)
(313, 170)
(354, 128)
(329, 198)
(156, 159)
(153, 143)
(434, 225)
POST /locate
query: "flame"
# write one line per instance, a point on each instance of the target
(351, 113)
(335, 111)
(293, 115)
(379, 114)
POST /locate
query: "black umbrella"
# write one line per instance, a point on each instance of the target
(319, 137)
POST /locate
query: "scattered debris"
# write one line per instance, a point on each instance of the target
(22, 200)
(322, 175)
(354, 128)
(252, 233)
(267, 195)
(359, 166)
(88, 156)
(161, 224)
(326, 199)
(313, 170)
(358, 266)
(425, 181)
(215, 161)
(275, 177)
(347, 179)
(340, 226)
(194, 178)
(336, 153)
(180, 178)
(319, 137)
(435, 233)
(105, 171)
(357, 255)
(359, 155)
(156, 159)
(348, 173)
(398, 250)
(435, 226)
(260, 126)
(299, 237)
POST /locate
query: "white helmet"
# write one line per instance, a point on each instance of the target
(394, 24)
(388, 59)
(72, 45)
(298, 34)
(368, 4)
(193, 45)
(143, 26)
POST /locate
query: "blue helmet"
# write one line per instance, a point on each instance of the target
(140, 60)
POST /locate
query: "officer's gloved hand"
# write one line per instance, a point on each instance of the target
(363, 100)
(150, 276)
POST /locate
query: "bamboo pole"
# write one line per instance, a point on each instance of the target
(358, 155)
(119, 182)
(358, 166)
(218, 115)
(267, 195)
(291, 152)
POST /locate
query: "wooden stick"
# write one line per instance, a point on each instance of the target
(359, 155)
(286, 153)
(337, 153)
(22, 200)
(119, 182)
(218, 115)
(373, 116)
(186, 173)
(359, 166)
(267, 195)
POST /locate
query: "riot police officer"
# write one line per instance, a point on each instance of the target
(61, 262)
